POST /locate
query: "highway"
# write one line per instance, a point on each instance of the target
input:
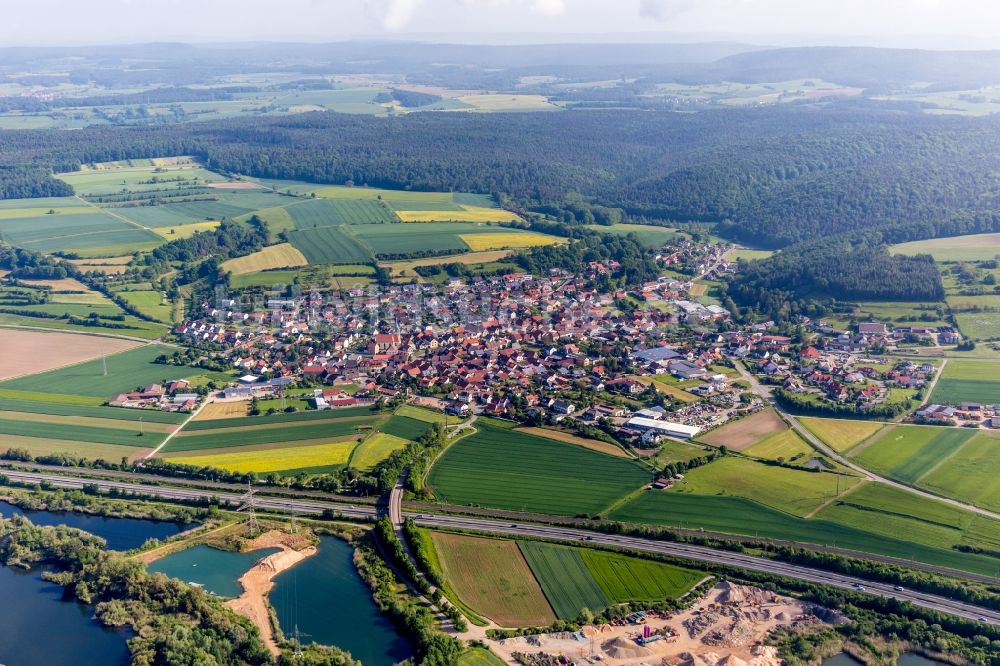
(506, 528)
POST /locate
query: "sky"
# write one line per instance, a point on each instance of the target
(929, 23)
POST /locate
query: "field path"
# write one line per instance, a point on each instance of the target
(937, 376)
(834, 499)
(116, 215)
(765, 393)
(145, 341)
(179, 428)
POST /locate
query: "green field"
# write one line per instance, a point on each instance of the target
(375, 449)
(281, 417)
(73, 226)
(128, 435)
(971, 473)
(907, 453)
(422, 414)
(511, 470)
(564, 578)
(479, 657)
(230, 437)
(968, 381)
(976, 247)
(405, 427)
(671, 452)
(391, 240)
(782, 446)
(334, 212)
(397, 199)
(125, 372)
(840, 434)
(150, 303)
(330, 245)
(86, 411)
(735, 515)
(794, 491)
(980, 325)
(899, 514)
(632, 579)
(652, 236)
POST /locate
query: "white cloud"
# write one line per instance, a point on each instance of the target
(393, 15)
(548, 7)
(543, 7)
(664, 10)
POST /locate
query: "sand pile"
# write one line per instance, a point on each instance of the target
(709, 659)
(739, 633)
(623, 648)
(782, 617)
(741, 594)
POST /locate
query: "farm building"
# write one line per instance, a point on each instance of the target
(656, 354)
(668, 428)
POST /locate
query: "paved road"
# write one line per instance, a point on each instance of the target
(495, 514)
(701, 553)
(765, 393)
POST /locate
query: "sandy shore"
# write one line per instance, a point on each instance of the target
(258, 581)
(726, 627)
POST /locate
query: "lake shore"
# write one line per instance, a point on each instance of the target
(258, 582)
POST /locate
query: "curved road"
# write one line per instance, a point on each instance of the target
(765, 393)
(688, 551)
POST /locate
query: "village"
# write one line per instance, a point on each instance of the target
(640, 365)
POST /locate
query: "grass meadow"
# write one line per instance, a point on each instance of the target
(971, 473)
(375, 449)
(907, 453)
(793, 491)
(840, 434)
(737, 515)
(968, 381)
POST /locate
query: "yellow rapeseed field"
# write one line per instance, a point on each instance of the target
(503, 240)
(467, 214)
(186, 230)
(276, 460)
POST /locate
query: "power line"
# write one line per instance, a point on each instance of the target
(248, 506)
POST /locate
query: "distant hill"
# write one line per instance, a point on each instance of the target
(861, 67)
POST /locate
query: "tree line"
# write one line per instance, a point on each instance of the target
(775, 175)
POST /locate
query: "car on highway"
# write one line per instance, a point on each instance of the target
(859, 587)
(898, 588)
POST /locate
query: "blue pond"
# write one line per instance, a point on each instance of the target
(43, 628)
(326, 598)
(120, 533)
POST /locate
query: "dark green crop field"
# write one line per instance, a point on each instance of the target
(564, 578)
(511, 470)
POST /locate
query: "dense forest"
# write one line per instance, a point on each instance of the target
(803, 279)
(774, 176)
